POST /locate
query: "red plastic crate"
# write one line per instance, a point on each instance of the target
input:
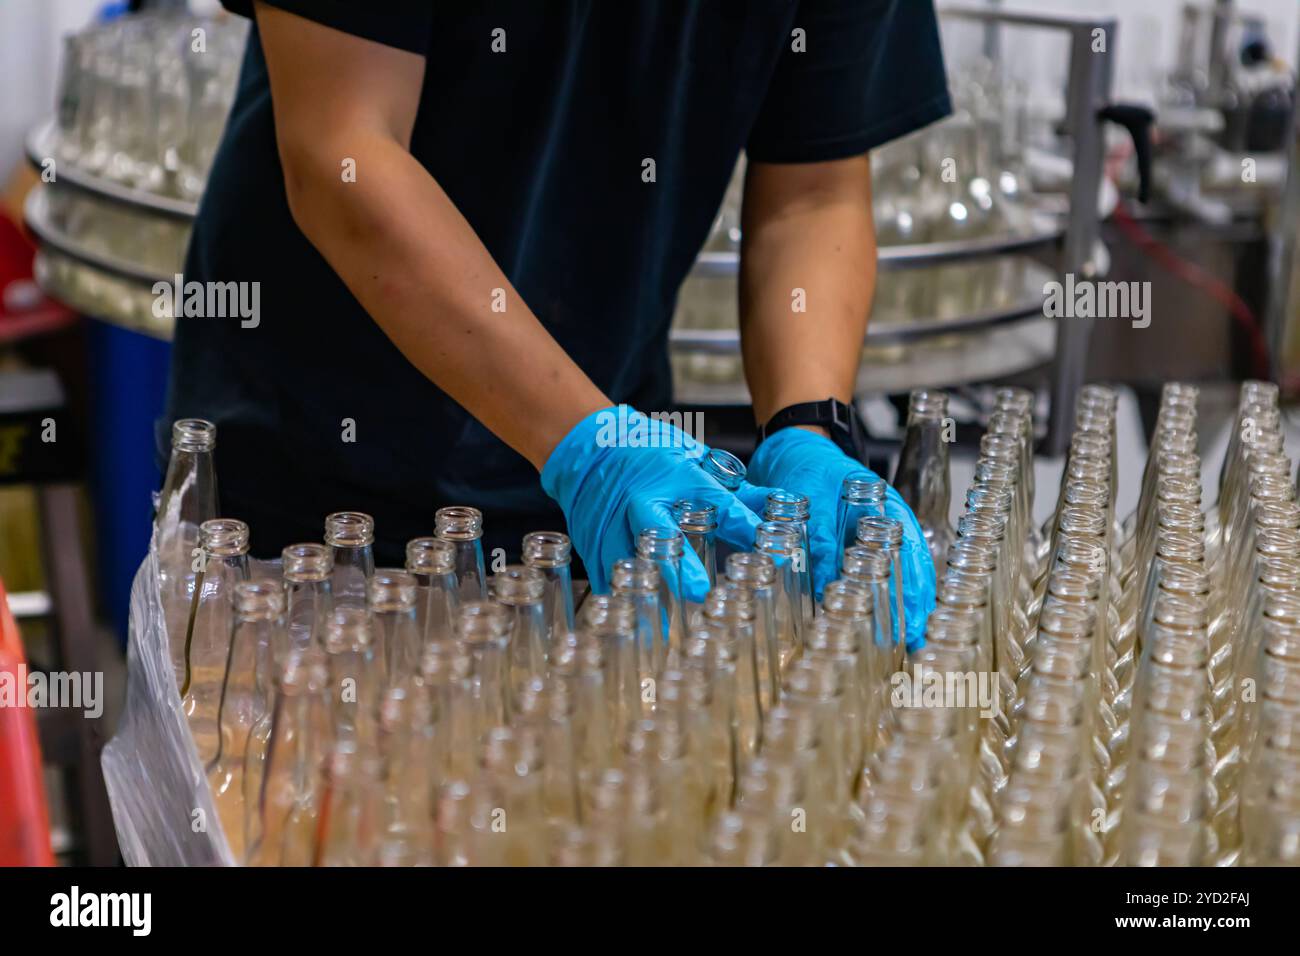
(24, 814)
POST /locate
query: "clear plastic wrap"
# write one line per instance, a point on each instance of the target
(162, 806)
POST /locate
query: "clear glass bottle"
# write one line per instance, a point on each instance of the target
(922, 478)
(637, 580)
(407, 752)
(712, 652)
(755, 573)
(350, 810)
(886, 534)
(223, 563)
(355, 672)
(187, 500)
(792, 508)
(872, 568)
(288, 801)
(733, 611)
(862, 495)
(308, 571)
(257, 636)
(463, 527)
(579, 667)
(481, 698)
(391, 596)
(551, 553)
(724, 468)
(522, 591)
(665, 547)
(437, 596)
(611, 620)
(782, 542)
(351, 537)
(698, 523)
(510, 825)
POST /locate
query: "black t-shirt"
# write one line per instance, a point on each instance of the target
(541, 147)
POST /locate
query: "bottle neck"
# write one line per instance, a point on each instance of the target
(922, 478)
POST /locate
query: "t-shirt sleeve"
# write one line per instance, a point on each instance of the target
(396, 23)
(853, 74)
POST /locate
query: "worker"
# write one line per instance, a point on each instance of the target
(464, 226)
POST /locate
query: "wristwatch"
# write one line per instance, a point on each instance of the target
(840, 420)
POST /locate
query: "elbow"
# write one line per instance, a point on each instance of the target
(305, 186)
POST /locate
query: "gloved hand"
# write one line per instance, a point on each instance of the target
(810, 464)
(618, 472)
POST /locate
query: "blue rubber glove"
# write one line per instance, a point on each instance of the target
(618, 472)
(810, 464)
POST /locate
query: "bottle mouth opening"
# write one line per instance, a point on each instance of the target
(348, 627)
(482, 622)
(391, 589)
(863, 489)
(518, 584)
(660, 543)
(458, 523)
(430, 556)
(724, 468)
(349, 529)
(778, 538)
(307, 562)
(752, 568)
(876, 530)
(224, 537)
(194, 435)
(259, 600)
(786, 506)
(547, 549)
(635, 575)
(927, 404)
(695, 517)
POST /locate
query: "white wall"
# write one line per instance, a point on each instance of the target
(29, 61)
(1149, 33)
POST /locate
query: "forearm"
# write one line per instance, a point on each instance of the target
(417, 267)
(805, 228)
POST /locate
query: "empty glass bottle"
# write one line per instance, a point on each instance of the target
(637, 580)
(258, 635)
(886, 534)
(437, 595)
(187, 500)
(724, 468)
(392, 600)
(782, 542)
(308, 570)
(522, 591)
(861, 495)
(222, 564)
(550, 552)
(665, 547)
(755, 573)
(351, 537)
(481, 698)
(922, 478)
(698, 522)
(463, 527)
(356, 673)
(793, 508)
(288, 801)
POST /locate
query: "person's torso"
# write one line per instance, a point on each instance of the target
(587, 143)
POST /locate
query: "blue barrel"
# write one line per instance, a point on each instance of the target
(128, 385)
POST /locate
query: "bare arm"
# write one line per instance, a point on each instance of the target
(805, 226)
(399, 243)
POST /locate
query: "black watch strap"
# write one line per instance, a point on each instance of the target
(839, 419)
